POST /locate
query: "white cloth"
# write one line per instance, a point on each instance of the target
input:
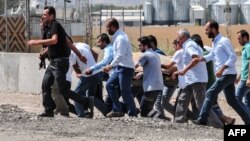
(177, 58)
(84, 49)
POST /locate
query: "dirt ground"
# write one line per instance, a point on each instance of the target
(19, 122)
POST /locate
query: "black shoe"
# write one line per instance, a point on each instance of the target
(164, 117)
(88, 115)
(72, 109)
(65, 114)
(91, 106)
(197, 122)
(152, 113)
(138, 111)
(46, 114)
(115, 114)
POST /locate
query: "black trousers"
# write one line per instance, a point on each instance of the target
(56, 72)
(148, 101)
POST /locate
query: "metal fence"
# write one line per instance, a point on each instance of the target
(72, 29)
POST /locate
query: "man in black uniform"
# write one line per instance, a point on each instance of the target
(58, 52)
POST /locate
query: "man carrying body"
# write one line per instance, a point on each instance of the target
(152, 76)
(224, 56)
(195, 76)
(123, 67)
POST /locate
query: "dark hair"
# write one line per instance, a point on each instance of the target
(152, 39)
(113, 22)
(52, 10)
(104, 37)
(197, 38)
(144, 40)
(213, 24)
(243, 33)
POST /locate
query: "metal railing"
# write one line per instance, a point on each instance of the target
(72, 29)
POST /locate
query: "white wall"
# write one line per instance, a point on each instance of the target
(19, 72)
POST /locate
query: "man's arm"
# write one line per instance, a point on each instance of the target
(77, 70)
(220, 71)
(248, 79)
(45, 42)
(95, 55)
(167, 66)
(107, 58)
(190, 65)
(44, 52)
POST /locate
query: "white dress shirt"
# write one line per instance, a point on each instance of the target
(122, 50)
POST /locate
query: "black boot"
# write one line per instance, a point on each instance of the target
(47, 114)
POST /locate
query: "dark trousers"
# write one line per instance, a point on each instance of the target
(147, 101)
(56, 71)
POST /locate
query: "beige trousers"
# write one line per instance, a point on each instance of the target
(61, 105)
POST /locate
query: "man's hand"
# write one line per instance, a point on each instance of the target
(32, 42)
(138, 75)
(248, 83)
(182, 72)
(219, 72)
(83, 59)
(237, 80)
(107, 68)
(174, 75)
(78, 75)
(163, 66)
(88, 72)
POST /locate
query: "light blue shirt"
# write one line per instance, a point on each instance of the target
(223, 54)
(107, 58)
(122, 50)
(152, 74)
(198, 73)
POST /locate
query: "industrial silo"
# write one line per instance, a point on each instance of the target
(245, 12)
(181, 10)
(148, 12)
(218, 14)
(162, 11)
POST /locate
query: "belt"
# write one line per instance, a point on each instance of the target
(59, 58)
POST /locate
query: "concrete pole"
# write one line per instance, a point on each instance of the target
(64, 18)
(101, 19)
(140, 22)
(6, 26)
(27, 18)
(123, 20)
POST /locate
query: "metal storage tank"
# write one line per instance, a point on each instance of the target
(211, 1)
(245, 12)
(181, 10)
(148, 12)
(163, 11)
(217, 12)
